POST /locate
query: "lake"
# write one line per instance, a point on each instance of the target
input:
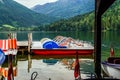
(53, 72)
(108, 38)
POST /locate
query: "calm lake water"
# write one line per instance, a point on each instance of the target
(108, 38)
(27, 67)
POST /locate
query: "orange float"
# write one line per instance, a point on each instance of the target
(4, 71)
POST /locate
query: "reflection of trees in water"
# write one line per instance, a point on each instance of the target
(9, 67)
(69, 63)
(3, 35)
(87, 66)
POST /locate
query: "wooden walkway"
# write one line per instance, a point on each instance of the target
(22, 43)
(25, 45)
(22, 46)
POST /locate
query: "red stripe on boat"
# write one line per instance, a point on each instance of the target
(62, 51)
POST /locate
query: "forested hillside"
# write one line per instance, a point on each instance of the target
(16, 15)
(111, 18)
(110, 21)
(84, 22)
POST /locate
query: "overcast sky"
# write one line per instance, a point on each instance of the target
(31, 3)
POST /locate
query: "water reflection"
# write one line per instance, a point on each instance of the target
(59, 69)
(50, 61)
(8, 69)
(29, 62)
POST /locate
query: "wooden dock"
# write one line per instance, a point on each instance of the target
(22, 43)
(25, 45)
(22, 46)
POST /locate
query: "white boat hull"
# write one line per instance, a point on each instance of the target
(112, 70)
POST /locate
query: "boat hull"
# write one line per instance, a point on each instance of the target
(112, 70)
(62, 52)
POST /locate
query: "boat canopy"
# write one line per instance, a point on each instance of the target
(8, 44)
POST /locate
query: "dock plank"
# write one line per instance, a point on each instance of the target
(22, 43)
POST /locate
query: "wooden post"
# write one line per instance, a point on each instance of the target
(12, 35)
(100, 7)
(29, 41)
(15, 35)
(97, 41)
(29, 62)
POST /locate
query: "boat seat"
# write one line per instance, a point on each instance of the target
(117, 61)
(111, 59)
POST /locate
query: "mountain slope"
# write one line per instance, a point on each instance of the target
(65, 8)
(17, 15)
(110, 21)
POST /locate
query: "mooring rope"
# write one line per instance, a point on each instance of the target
(34, 75)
